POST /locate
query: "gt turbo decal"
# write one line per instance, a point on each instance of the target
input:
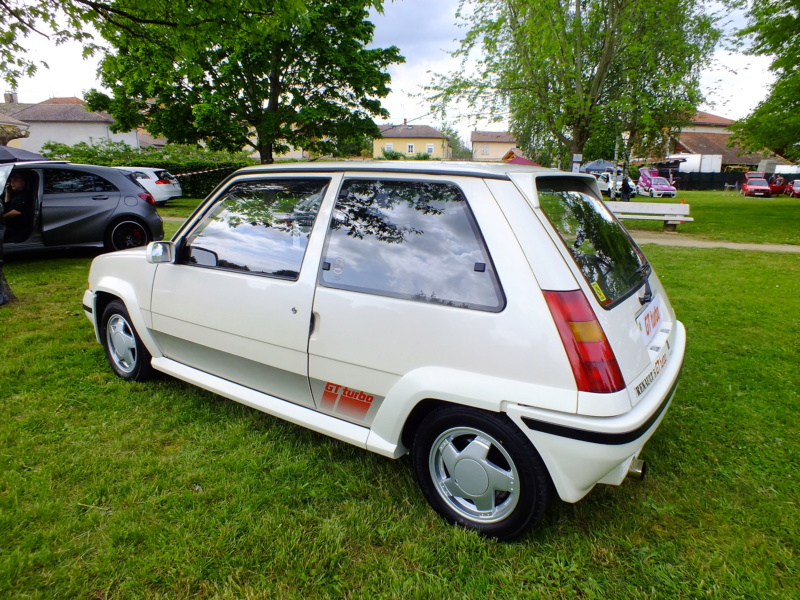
(347, 402)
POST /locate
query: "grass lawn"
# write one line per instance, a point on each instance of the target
(732, 217)
(160, 490)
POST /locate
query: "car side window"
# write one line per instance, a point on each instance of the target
(259, 227)
(415, 240)
(68, 181)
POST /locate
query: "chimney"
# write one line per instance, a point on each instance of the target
(405, 122)
(10, 98)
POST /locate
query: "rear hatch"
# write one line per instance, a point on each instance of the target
(615, 276)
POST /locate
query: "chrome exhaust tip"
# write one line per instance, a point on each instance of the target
(637, 468)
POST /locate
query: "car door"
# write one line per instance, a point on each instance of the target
(406, 282)
(237, 301)
(76, 206)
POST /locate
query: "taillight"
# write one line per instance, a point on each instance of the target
(147, 198)
(163, 181)
(593, 362)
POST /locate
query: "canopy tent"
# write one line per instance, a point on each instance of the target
(597, 166)
(9, 154)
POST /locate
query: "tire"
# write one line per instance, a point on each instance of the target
(479, 471)
(126, 233)
(125, 351)
(652, 193)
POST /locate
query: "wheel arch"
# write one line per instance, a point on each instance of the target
(125, 293)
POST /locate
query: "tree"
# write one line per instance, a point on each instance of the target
(565, 71)
(774, 30)
(290, 76)
(460, 151)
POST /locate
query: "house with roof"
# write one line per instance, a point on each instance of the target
(411, 140)
(491, 146)
(702, 146)
(64, 120)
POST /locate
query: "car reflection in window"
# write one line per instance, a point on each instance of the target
(259, 227)
(412, 240)
(607, 256)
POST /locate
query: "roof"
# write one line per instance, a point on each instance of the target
(410, 131)
(9, 120)
(500, 137)
(717, 143)
(60, 110)
(704, 118)
(9, 108)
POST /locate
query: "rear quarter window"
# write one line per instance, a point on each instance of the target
(602, 249)
(413, 240)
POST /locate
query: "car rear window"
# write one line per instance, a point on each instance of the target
(605, 253)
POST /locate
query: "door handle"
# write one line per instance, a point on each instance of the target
(99, 197)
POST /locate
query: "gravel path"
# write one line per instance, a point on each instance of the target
(676, 239)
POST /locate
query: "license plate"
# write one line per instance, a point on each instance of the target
(648, 321)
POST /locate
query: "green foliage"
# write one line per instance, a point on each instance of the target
(393, 155)
(292, 74)
(420, 156)
(460, 150)
(176, 159)
(774, 30)
(631, 65)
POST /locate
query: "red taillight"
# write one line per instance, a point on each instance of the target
(147, 198)
(163, 181)
(590, 355)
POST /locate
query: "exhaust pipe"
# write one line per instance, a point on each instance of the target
(637, 468)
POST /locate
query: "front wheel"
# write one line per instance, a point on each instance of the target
(652, 193)
(127, 233)
(478, 470)
(125, 351)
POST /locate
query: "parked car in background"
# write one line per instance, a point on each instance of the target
(160, 183)
(652, 184)
(605, 182)
(756, 187)
(793, 189)
(777, 184)
(81, 205)
(496, 321)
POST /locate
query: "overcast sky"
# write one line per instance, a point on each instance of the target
(424, 30)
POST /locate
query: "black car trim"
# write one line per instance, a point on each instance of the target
(597, 437)
(88, 309)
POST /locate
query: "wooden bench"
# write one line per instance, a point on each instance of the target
(671, 214)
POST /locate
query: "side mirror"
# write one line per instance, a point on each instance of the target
(160, 252)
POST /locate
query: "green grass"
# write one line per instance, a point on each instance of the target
(159, 490)
(732, 217)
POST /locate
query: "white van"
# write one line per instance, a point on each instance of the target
(496, 321)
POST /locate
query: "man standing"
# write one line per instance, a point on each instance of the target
(17, 209)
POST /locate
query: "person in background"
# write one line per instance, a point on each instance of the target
(17, 209)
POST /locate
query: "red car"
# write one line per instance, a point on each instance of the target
(756, 187)
(793, 189)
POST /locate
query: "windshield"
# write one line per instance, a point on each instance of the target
(660, 181)
(607, 256)
(753, 182)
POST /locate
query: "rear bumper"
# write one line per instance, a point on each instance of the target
(582, 451)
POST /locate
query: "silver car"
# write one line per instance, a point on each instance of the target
(57, 204)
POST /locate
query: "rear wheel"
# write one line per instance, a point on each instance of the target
(127, 233)
(478, 470)
(125, 351)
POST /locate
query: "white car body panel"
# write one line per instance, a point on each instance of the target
(216, 328)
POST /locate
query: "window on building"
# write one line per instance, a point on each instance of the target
(259, 227)
(485, 149)
(410, 149)
(429, 149)
(411, 240)
(390, 147)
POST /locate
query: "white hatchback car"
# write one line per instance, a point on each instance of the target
(163, 185)
(495, 320)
